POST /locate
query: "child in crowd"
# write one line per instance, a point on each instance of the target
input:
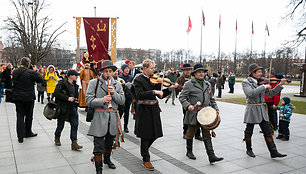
(285, 112)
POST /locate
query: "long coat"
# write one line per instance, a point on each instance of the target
(51, 78)
(148, 123)
(61, 94)
(100, 124)
(85, 76)
(6, 78)
(191, 94)
(255, 95)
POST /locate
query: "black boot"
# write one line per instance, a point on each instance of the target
(189, 153)
(272, 148)
(248, 144)
(210, 152)
(107, 159)
(98, 163)
(280, 136)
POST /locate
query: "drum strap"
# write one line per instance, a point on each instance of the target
(213, 134)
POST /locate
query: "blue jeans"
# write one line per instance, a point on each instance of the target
(74, 122)
(1, 90)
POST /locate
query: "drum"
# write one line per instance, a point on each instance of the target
(208, 118)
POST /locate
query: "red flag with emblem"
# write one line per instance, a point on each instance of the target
(189, 25)
(97, 37)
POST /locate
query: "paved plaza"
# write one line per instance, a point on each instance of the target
(39, 155)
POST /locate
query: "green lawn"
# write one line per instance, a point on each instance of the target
(300, 107)
(293, 83)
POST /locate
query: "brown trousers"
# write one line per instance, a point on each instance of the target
(192, 129)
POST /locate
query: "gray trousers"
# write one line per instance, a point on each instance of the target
(103, 143)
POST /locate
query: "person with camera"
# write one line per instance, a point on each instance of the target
(66, 97)
(23, 96)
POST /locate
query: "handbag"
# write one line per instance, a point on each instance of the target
(91, 110)
(51, 110)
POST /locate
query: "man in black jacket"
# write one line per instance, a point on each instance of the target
(66, 97)
(24, 95)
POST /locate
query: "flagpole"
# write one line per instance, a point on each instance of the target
(235, 50)
(201, 43)
(251, 43)
(219, 67)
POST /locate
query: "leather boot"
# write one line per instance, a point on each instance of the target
(75, 145)
(280, 136)
(210, 152)
(248, 144)
(107, 154)
(57, 141)
(98, 163)
(272, 148)
(189, 153)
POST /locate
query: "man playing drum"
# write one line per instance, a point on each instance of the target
(194, 91)
(256, 112)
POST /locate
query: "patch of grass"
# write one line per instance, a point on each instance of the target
(300, 107)
(293, 83)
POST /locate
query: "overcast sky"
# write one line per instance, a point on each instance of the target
(162, 24)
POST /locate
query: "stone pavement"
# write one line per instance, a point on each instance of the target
(39, 155)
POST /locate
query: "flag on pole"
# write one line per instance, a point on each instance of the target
(220, 21)
(252, 28)
(267, 29)
(189, 25)
(236, 25)
(203, 17)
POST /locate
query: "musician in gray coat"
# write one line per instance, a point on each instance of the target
(197, 90)
(256, 112)
(104, 125)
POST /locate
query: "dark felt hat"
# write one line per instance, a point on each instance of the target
(186, 66)
(107, 64)
(198, 67)
(253, 67)
(72, 72)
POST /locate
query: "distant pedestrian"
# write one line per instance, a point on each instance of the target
(66, 97)
(285, 113)
(128, 97)
(51, 78)
(173, 77)
(231, 82)
(41, 87)
(6, 77)
(219, 84)
(223, 80)
(24, 96)
(213, 81)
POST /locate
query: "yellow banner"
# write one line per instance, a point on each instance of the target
(78, 22)
(113, 39)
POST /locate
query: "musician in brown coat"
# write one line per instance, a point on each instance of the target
(198, 90)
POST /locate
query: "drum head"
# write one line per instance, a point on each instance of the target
(207, 115)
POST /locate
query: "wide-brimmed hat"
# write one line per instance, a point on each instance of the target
(253, 67)
(198, 67)
(186, 66)
(107, 64)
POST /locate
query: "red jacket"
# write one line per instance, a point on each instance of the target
(274, 99)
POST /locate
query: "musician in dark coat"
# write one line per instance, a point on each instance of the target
(256, 112)
(148, 125)
(194, 91)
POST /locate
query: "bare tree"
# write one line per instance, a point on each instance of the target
(13, 52)
(297, 11)
(32, 31)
